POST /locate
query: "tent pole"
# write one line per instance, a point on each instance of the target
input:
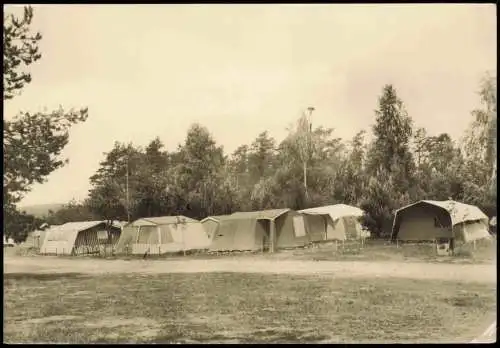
(452, 241)
(159, 240)
(273, 235)
(183, 245)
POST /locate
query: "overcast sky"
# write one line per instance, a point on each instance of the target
(152, 70)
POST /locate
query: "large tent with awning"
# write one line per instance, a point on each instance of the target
(333, 222)
(160, 235)
(429, 220)
(252, 231)
(84, 237)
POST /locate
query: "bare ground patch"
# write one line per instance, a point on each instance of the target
(389, 269)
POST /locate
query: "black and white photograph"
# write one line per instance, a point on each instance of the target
(249, 173)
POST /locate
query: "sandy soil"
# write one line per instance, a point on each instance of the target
(349, 269)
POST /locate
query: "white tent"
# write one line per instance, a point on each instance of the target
(333, 222)
(160, 235)
(75, 237)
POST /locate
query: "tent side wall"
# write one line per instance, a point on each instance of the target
(243, 234)
(170, 238)
(127, 238)
(335, 230)
(147, 240)
(59, 242)
(249, 235)
(469, 231)
(222, 239)
(423, 223)
(315, 227)
(352, 227)
(86, 241)
(194, 236)
(291, 230)
(210, 226)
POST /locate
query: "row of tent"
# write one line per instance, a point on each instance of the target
(262, 230)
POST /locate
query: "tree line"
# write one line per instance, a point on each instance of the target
(399, 166)
(309, 167)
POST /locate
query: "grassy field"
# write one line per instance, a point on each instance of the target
(372, 250)
(377, 250)
(233, 307)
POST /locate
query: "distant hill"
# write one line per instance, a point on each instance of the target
(41, 210)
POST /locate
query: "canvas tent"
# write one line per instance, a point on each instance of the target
(8, 242)
(36, 238)
(160, 235)
(428, 220)
(79, 237)
(211, 223)
(333, 222)
(251, 231)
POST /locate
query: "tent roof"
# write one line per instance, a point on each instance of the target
(335, 211)
(215, 218)
(459, 212)
(163, 220)
(36, 233)
(263, 214)
(83, 225)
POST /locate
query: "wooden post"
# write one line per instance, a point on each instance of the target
(452, 241)
(272, 235)
(159, 240)
(183, 245)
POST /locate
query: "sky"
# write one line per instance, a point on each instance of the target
(153, 70)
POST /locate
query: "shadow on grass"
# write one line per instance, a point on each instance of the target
(42, 276)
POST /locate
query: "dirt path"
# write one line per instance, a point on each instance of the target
(345, 269)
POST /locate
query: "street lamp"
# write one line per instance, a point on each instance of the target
(310, 109)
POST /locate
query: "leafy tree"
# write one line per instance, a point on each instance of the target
(324, 156)
(33, 142)
(108, 193)
(392, 131)
(71, 212)
(20, 49)
(440, 169)
(350, 179)
(150, 196)
(390, 161)
(32, 147)
(196, 172)
(480, 140)
(261, 157)
(19, 224)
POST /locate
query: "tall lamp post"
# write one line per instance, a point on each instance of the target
(127, 190)
(310, 109)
